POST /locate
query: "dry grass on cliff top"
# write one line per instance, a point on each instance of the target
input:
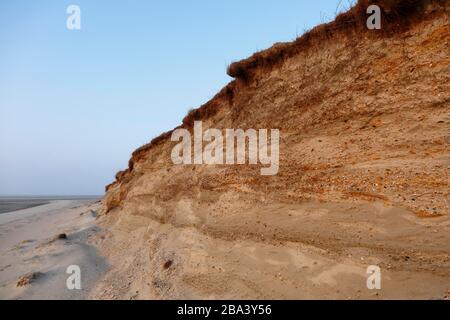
(397, 15)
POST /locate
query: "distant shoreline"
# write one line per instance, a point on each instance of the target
(11, 205)
(16, 203)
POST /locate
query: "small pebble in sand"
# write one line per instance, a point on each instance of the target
(168, 264)
(27, 279)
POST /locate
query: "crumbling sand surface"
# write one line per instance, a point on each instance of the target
(277, 251)
(35, 257)
(363, 180)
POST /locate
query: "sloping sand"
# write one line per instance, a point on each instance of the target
(28, 245)
(312, 250)
(307, 251)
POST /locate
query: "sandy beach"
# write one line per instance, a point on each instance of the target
(29, 245)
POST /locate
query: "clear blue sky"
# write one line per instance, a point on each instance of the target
(75, 104)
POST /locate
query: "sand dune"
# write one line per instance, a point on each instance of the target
(363, 179)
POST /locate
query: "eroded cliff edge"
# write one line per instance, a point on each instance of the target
(364, 171)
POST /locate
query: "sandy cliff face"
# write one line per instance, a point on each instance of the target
(364, 126)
